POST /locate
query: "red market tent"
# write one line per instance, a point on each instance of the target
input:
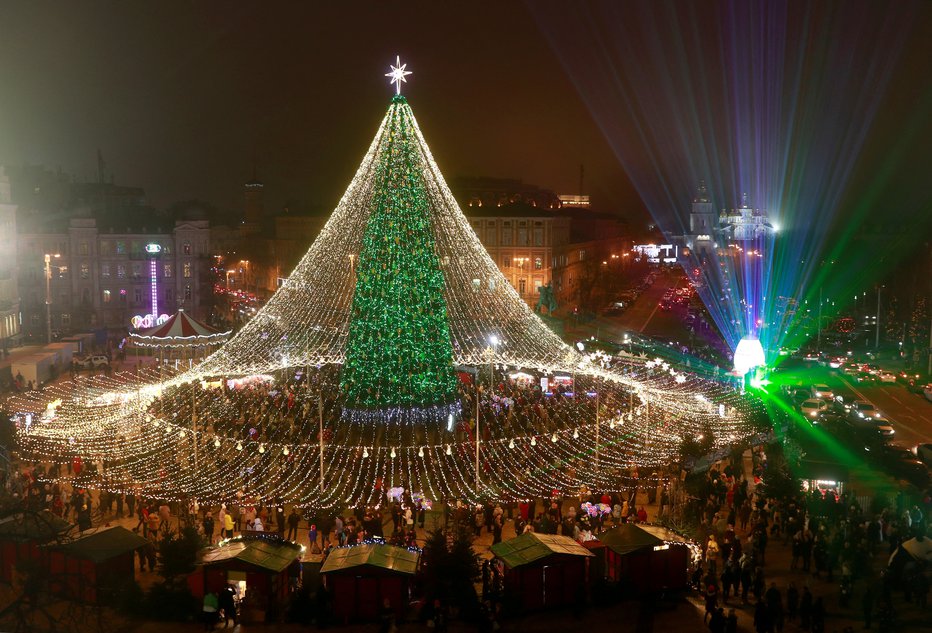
(542, 570)
(257, 565)
(95, 558)
(361, 577)
(22, 534)
(642, 558)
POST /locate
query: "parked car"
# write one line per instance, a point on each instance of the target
(924, 453)
(93, 361)
(902, 463)
(886, 376)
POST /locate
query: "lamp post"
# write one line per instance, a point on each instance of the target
(48, 295)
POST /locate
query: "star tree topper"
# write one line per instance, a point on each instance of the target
(398, 74)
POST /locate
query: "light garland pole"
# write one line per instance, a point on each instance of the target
(320, 410)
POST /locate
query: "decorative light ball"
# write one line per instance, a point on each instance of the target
(217, 442)
(285, 451)
(181, 434)
(449, 450)
(393, 452)
(365, 453)
(511, 444)
(261, 448)
(239, 446)
(553, 438)
(533, 441)
(420, 452)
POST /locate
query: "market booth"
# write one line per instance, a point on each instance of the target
(542, 570)
(21, 535)
(94, 559)
(360, 577)
(642, 558)
(259, 567)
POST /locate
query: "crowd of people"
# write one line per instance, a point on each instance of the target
(832, 543)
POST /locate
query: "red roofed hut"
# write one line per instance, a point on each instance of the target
(642, 558)
(542, 570)
(360, 577)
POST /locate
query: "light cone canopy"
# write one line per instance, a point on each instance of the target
(345, 375)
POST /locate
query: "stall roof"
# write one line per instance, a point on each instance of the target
(32, 526)
(664, 534)
(274, 556)
(103, 543)
(532, 546)
(627, 538)
(381, 555)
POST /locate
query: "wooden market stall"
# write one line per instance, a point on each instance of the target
(360, 577)
(259, 566)
(642, 558)
(94, 559)
(21, 535)
(542, 571)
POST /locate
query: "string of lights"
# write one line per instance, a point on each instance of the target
(366, 371)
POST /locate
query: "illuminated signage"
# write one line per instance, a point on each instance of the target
(143, 321)
(656, 253)
(153, 249)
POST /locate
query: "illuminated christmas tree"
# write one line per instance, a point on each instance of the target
(399, 358)
(352, 370)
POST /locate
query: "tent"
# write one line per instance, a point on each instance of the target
(94, 558)
(21, 535)
(542, 570)
(258, 565)
(181, 333)
(361, 577)
(642, 558)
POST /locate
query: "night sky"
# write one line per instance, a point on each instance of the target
(184, 98)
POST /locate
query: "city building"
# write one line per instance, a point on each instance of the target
(709, 231)
(104, 276)
(9, 292)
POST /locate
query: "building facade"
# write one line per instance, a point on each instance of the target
(9, 291)
(104, 276)
(520, 239)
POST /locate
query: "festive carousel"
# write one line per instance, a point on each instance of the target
(379, 365)
(179, 339)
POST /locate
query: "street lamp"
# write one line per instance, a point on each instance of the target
(48, 294)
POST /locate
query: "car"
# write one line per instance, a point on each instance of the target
(886, 376)
(866, 378)
(812, 407)
(865, 409)
(927, 392)
(902, 463)
(93, 361)
(822, 391)
(843, 400)
(924, 453)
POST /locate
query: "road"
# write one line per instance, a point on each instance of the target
(910, 414)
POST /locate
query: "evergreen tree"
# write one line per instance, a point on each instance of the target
(399, 355)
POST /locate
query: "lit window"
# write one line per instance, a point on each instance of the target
(105, 271)
(82, 248)
(538, 263)
(167, 270)
(85, 270)
(106, 296)
(186, 248)
(187, 270)
(121, 271)
(187, 293)
(137, 270)
(121, 247)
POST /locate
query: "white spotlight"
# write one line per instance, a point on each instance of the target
(748, 355)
